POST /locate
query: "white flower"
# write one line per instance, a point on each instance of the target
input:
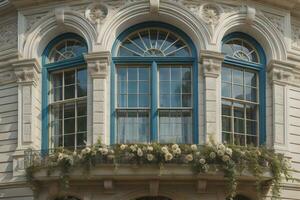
(104, 151)
(212, 155)
(202, 161)
(194, 147)
(228, 151)
(225, 158)
(150, 157)
(86, 150)
(177, 151)
(189, 157)
(123, 147)
(139, 152)
(75, 153)
(60, 157)
(133, 148)
(220, 153)
(165, 149)
(174, 147)
(168, 156)
(150, 148)
(221, 147)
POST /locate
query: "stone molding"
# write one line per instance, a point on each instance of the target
(98, 63)
(281, 72)
(212, 62)
(26, 71)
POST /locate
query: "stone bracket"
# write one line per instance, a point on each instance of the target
(27, 71)
(212, 62)
(98, 63)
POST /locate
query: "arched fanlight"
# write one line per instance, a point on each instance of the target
(241, 50)
(154, 42)
(66, 49)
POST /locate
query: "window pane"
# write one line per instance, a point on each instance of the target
(186, 87)
(69, 125)
(186, 100)
(132, 74)
(226, 74)
(122, 74)
(226, 108)
(238, 92)
(164, 100)
(227, 138)
(81, 82)
(226, 124)
(81, 139)
(251, 127)
(164, 74)
(252, 140)
(122, 101)
(132, 100)
(56, 141)
(175, 74)
(239, 125)
(250, 79)
(56, 127)
(122, 87)
(143, 100)
(237, 77)
(69, 140)
(238, 110)
(70, 77)
(144, 74)
(176, 87)
(239, 139)
(70, 92)
(69, 110)
(250, 94)
(81, 108)
(57, 94)
(175, 100)
(132, 87)
(251, 112)
(144, 87)
(186, 73)
(81, 124)
(226, 90)
(164, 87)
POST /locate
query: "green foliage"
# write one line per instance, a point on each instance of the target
(232, 161)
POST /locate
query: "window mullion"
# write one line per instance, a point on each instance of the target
(154, 106)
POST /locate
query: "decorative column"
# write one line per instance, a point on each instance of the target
(97, 64)
(280, 74)
(212, 63)
(27, 73)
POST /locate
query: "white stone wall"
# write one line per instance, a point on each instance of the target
(24, 35)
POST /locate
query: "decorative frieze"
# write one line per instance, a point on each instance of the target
(33, 18)
(96, 13)
(277, 20)
(210, 13)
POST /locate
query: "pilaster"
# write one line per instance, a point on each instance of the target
(97, 64)
(212, 64)
(27, 73)
(280, 75)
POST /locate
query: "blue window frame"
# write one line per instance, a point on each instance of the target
(154, 89)
(64, 92)
(243, 90)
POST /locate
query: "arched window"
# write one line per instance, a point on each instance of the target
(243, 91)
(64, 92)
(154, 86)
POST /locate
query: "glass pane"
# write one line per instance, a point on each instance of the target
(238, 92)
(143, 100)
(143, 129)
(226, 124)
(81, 124)
(132, 74)
(81, 108)
(238, 110)
(70, 77)
(69, 110)
(144, 74)
(144, 87)
(57, 80)
(186, 100)
(69, 140)
(164, 100)
(81, 139)
(239, 139)
(164, 74)
(69, 125)
(81, 82)
(251, 112)
(186, 73)
(56, 127)
(70, 92)
(122, 87)
(57, 112)
(250, 94)
(186, 87)
(251, 127)
(57, 141)
(239, 126)
(176, 87)
(226, 108)
(226, 90)
(132, 100)
(164, 87)
(226, 74)
(175, 100)
(250, 79)
(227, 138)
(252, 140)
(237, 76)
(122, 101)
(57, 94)
(122, 74)
(132, 87)
(175, 73)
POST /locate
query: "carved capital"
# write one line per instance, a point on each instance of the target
(280, 72)
(212, 62)
(26, 71)
(98, 64)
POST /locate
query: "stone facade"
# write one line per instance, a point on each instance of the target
(27, 26)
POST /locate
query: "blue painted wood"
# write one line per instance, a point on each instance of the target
(261, 69)
(46, 68)
(157, 60)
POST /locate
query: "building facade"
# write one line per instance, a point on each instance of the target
(144, 71)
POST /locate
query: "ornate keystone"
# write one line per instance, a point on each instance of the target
(96, 13)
